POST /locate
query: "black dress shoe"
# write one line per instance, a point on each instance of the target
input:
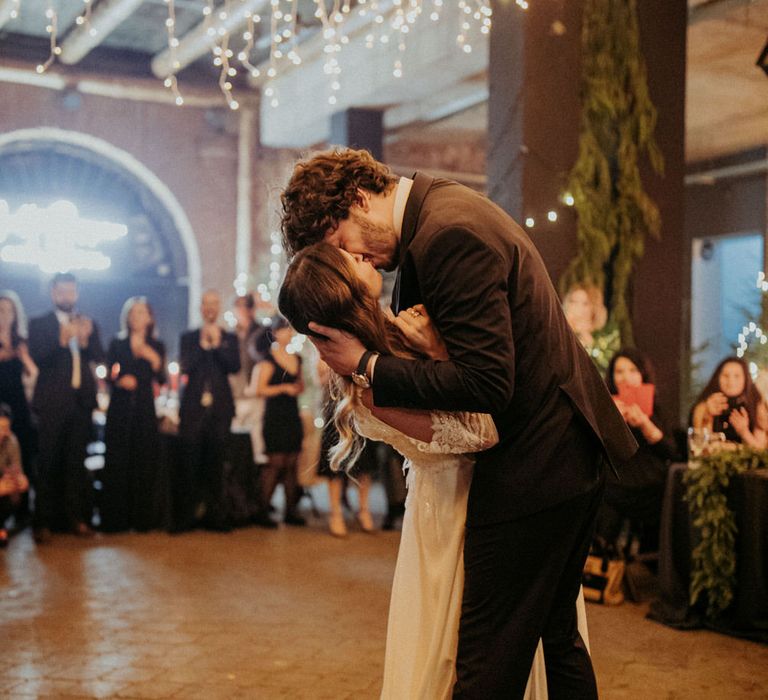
(294, 519)
(42, 535)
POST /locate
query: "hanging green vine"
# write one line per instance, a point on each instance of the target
(713, 572)
(618, 120)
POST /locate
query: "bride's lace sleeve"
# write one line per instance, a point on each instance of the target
(460, 432)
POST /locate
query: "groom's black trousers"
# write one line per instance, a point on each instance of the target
(522, 579)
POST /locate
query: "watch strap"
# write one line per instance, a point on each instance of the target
(362, 366)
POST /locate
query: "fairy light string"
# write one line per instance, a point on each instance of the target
(52, 29)
(170, 81)
(389, 21)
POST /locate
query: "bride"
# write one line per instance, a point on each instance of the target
(331, 287)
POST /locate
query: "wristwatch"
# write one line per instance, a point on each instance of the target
(360, 375)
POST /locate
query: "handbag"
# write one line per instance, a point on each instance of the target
(602, 580)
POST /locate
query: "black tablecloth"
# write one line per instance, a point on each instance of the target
(748, 615)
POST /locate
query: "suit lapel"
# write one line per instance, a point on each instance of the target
(421, 185)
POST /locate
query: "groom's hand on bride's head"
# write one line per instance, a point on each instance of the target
(341, 351)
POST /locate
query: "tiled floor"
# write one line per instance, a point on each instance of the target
(292, 613)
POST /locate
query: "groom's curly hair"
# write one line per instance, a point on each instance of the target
(322, 190)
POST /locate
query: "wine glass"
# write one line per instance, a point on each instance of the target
(698, 439)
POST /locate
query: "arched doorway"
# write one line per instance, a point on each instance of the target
(158, 258)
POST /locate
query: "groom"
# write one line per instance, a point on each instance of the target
(534, 497)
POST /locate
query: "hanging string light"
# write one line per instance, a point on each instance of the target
(389, 21)
(249, 36)
(85, 18)
(752, 334)
(552, 215)
(223, 54)
(171, 81)
(52, 29)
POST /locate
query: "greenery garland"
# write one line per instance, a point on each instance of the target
(605, 344)
(618, 120)
(713, 572)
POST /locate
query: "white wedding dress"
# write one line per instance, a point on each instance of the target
(423, 626)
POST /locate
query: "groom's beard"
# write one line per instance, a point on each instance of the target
(380, 241)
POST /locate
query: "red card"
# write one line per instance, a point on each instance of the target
(641, 395)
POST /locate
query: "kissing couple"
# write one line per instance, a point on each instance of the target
(476, 378)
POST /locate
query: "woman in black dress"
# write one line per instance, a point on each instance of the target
(639, 493)
(279, 381)
(136, 359)
(15, 363)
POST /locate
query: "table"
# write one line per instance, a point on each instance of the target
(748, 614)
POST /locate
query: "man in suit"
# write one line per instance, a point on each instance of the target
(208, 355)
(534, 497)
(64, 344)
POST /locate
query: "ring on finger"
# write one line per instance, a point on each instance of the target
(414, 313)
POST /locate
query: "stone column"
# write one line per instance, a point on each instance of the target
(359, 128)
(662, 282)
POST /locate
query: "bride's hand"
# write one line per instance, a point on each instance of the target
(420, 332)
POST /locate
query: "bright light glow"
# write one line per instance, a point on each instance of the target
(173, 368)
(552, 216)
(568, 199)
(101, 371)
(55, 238)
(529, 222)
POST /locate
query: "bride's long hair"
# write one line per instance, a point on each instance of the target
(322, 286)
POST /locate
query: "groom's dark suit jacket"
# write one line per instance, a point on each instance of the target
(512, 354)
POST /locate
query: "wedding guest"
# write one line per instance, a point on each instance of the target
(13, 482)
(208, 355)
(63, 344)
(731, 404)
(16, 366)
(638, 493)
(279, 381)
(585, 312)
(252, 337)
(246, 328)
(135, 361)
(338, 481)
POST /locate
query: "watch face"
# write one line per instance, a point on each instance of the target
(361, 380)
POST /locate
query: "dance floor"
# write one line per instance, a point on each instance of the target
(292, 613)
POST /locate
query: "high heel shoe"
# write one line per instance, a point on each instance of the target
(336, 525)
(365, 520)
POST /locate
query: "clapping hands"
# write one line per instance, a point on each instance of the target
(210, 336)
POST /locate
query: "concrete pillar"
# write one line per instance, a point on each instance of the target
(359, 128)
(662, 282)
